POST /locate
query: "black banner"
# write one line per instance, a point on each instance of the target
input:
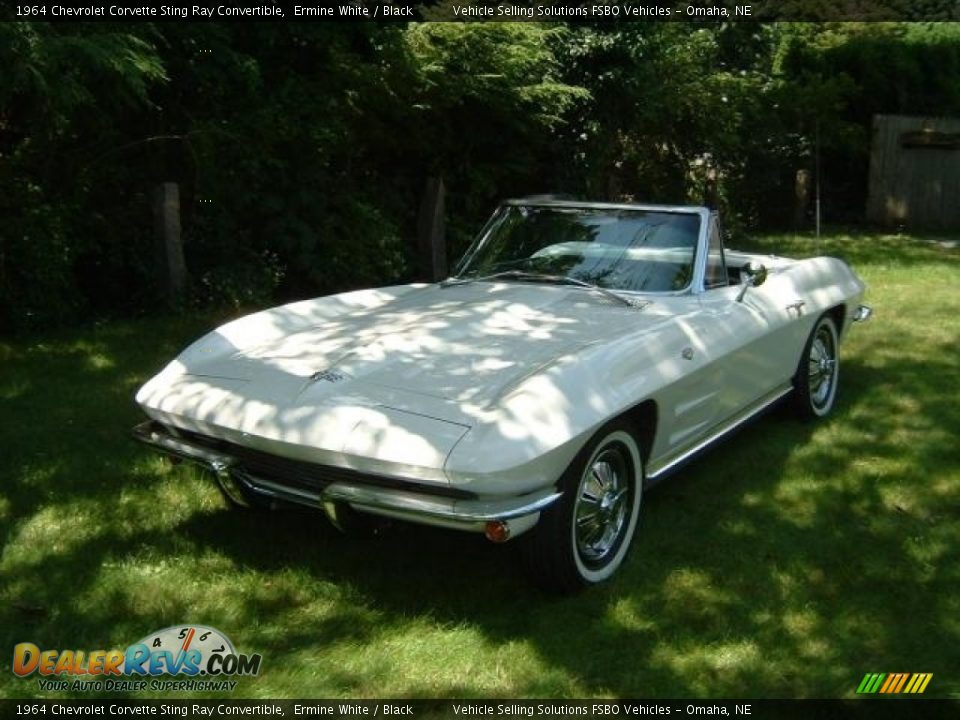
(874, 709)
(484, 11)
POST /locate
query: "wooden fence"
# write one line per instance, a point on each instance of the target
(915, 172)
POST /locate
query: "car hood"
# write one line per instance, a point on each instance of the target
(385, 381)
(437, 350)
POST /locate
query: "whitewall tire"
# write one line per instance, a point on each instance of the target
(584, 538)
(818, 371)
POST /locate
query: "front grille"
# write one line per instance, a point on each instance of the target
(298, 474)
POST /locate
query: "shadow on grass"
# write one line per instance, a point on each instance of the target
(787, 562)
(738, 580)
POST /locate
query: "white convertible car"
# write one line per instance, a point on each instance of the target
(580, 353)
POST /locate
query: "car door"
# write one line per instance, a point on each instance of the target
(691, 404)
(752, 337)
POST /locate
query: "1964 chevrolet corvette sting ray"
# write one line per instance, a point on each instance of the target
(580, 353)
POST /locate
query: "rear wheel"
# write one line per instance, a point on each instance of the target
(818, 371)
(583, 538)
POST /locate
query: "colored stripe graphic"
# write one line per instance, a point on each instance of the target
(891, 680)
(922, 682)
(903, 681)
(894, 683)
(871, 683)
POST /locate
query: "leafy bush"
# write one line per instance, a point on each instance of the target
(245, 283)
(302, 150)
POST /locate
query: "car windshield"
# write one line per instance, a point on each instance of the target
(617, 249)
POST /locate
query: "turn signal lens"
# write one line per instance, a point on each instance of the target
(497, 531)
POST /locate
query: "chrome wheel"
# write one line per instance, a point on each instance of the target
(584, 537)
(822, 364)
(817, 376)
(602, 506)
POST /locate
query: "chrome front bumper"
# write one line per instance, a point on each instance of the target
(862, 313)
(413, 502)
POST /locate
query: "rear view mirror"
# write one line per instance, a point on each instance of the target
(753, 275)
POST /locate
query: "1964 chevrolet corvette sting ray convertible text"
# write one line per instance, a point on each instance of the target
(580, 353)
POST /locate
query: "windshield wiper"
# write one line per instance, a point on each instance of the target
(526, 276)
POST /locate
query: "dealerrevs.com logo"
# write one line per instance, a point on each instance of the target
(203, 654)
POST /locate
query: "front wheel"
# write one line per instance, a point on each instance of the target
(584, 537)
(818, 371)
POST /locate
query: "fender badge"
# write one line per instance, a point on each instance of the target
(330, 376)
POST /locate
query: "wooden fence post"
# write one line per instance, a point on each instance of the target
(801, 190)
(431, 231)
(171, 266)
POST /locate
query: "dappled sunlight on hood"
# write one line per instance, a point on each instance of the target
(394, 379)
(455, 343)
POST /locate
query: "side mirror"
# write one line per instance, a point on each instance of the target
(756, 275)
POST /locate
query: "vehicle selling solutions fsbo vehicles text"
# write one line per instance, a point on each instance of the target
(609, 11)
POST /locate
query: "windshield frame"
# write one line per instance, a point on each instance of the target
(695, 286)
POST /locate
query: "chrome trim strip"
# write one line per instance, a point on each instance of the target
(724, 428)
(417, 506)
(217, 462)
(586, 204)
(862, 313)
(700, 249)
(461, 510)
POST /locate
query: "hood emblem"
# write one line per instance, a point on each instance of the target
(330, 376)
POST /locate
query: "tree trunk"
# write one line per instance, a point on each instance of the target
(801, 198)
(171, 266)
(431, 231)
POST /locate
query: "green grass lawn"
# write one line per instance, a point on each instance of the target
(788, 562)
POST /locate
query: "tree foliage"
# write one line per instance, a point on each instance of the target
(302, 150)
